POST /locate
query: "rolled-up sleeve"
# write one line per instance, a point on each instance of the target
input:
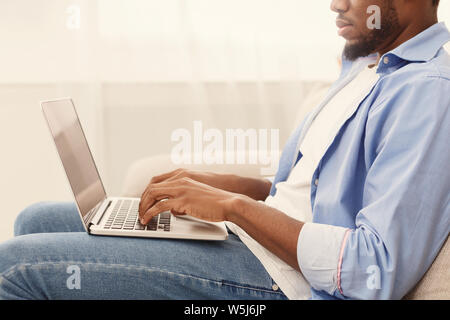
(318, 252)
(405, 212)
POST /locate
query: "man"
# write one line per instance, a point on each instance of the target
(359, 207)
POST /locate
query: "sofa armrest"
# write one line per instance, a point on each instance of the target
(140, 172)
(435, 284)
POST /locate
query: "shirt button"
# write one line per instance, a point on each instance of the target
(386, 60)
(316, 182)
(275, 287)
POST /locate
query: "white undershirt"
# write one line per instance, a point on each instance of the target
(293, 195)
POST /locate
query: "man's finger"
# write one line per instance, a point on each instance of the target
(150, 202)
(177, 213)
(147, 189)
(159, 207)
(155, 194)
(143, 196)
(155, 180)
(165, 176)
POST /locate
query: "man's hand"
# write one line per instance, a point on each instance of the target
(211, 179)
(257, 189)
(186, 196)
(180, 194)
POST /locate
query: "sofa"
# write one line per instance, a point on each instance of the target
(435, 284)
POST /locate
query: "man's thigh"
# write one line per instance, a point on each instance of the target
(76, 265)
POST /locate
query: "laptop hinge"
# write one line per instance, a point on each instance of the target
(100, 213)
(91, 214)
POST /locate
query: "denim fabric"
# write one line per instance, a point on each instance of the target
(52, 257)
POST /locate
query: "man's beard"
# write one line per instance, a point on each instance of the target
(372, 41)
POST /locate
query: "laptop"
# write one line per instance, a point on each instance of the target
(99, 213)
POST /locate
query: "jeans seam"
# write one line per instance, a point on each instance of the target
(236, 285)
(220, 283)
(12, 269)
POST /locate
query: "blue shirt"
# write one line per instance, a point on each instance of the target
(380, 194)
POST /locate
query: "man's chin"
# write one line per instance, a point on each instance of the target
(357, 49)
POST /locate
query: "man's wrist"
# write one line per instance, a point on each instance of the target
(237, 208)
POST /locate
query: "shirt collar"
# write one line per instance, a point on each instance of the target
(421, 48)
(424, 46)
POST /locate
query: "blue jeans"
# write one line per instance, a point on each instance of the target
(52, 257)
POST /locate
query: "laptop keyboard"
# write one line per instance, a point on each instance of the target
(125, 216)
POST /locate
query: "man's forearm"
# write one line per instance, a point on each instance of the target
(273, 229)
(255, 188)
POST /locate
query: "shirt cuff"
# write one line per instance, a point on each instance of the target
(320, 249)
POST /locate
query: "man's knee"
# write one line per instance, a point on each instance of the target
(34, 217)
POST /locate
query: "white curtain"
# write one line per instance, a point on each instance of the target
(169, 40)
(216, 40)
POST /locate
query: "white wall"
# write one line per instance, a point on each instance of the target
(30, 170)
(170, 40)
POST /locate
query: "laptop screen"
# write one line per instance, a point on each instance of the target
(75, 154)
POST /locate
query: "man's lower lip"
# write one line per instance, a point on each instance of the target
(344, 30)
